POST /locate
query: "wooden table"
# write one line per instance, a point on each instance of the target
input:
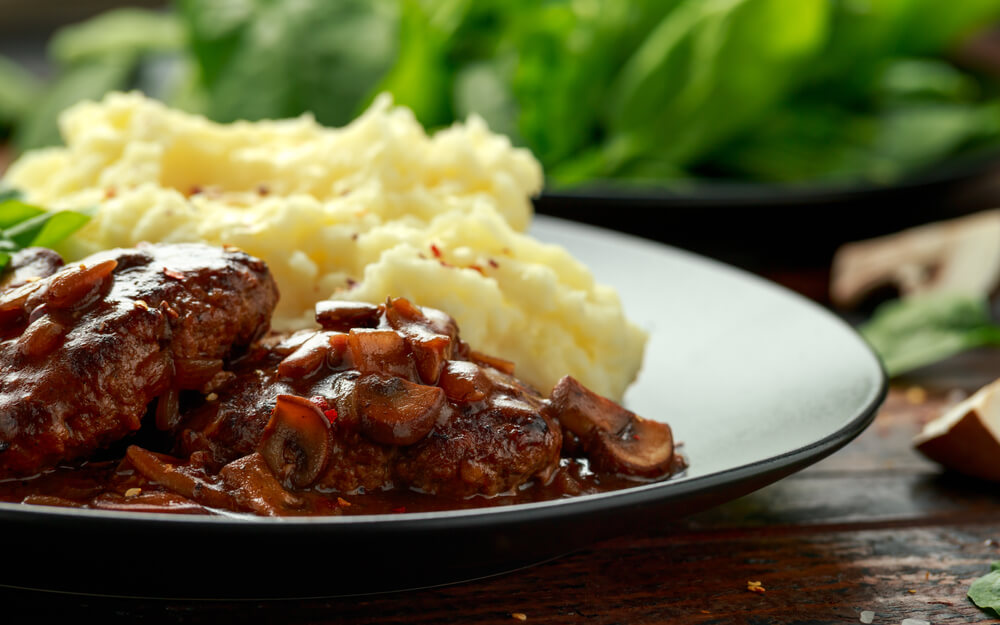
(874, 527)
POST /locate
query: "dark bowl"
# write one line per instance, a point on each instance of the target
(765, 226)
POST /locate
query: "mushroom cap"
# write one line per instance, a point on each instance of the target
(295, 442)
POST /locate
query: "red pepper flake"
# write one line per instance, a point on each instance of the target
(351, 283)
(494, 263)
(195, 190)
(635, 437)
(444, 264)
(320, 402)
(331, 414)
(521, 616)
(477, 268)
(399, 510)
(263, 189)
(343, 502)
(109, 193)
(170, 273)
(436, 251)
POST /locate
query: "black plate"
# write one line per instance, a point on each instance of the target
(756, 382)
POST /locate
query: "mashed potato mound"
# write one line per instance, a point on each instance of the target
(373, 209)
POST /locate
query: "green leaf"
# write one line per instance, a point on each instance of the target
(18, 91)
(59, 227)
(918, 331)
(985, 591)
(86, 81)
(260, 59)
(14, 211)
(46, 229)
(122, 31)
(709, 70)
(9, 194)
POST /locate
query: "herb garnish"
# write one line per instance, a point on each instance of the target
(917, 331)
(985, 591)
(25, 225)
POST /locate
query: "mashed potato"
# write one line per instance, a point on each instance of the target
(373, 209)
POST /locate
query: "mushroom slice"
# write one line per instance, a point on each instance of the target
(966, 438)
(615, 439)
(78, 285)
(380, 351)
(959, 256)
(394, 411)
(644, 449)
(464, 381)
(581, 410)
(342, 316)
(295, 442)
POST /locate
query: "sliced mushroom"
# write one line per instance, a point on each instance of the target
(464, 381)
(295, 442)
(78, 285)
(380, 351)
(431, 339)
(644, 449)
(171, 474)
(307, 359)
(342, 316)
(394, 411)
(957, 256)
(966, 438)
(580, 410)
(504, 366)
(254, 487)
(615, 439)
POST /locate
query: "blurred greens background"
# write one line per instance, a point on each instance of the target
(644, 92)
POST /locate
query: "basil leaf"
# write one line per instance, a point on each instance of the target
(985, 591)
(47, 229)
(15, 211)
(918, 331)
(60, 226)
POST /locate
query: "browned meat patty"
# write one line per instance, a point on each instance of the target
(382, 396)
(85, 350)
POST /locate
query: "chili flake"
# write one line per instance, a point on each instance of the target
(521, 616)
(133, 492)
(494, 263)
(320, 402)
(331, 414)
(343, 502)
(436, 251)
(399, 510)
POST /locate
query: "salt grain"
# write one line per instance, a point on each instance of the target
(867, 616)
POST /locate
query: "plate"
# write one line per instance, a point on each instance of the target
(756, 382)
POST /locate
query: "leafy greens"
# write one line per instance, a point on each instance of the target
(24, 225)
(647, 91)
(917, 331)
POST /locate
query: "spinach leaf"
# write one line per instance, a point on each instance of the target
(23, 225)
(917, 331)
(985, 591)
(264, 59)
